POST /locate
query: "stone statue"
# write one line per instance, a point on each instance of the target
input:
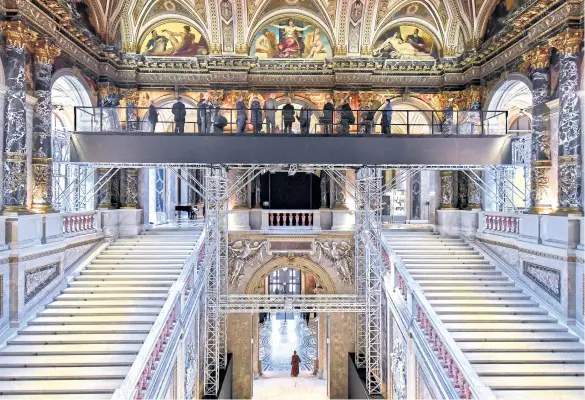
(340, 255)
(240, 253)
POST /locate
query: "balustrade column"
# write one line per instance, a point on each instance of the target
(130, 188)
(18, 39)
(105, 193)
(541, 164)
(447, 190)
(474, 192)
(570, 173)
(42, 157)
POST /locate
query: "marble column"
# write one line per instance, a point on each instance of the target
(447, 190)
(342, 342)
(541, 164)
(324, 189)
(257, 192)
(130, 195)
(105, 193)
(322, 346)
(18, 39)
(570, 167)
(339, 195)
(241, 196)
(132, 97)
(473, 193)
(448, 122)
(42, 157)
(415, 199)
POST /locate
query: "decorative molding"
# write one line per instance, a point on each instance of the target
(528, 251)
(1, 295)
(549, 279)
(36, 279)
(48, 253)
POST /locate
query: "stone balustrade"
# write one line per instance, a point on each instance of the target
(79, 222)
(290, 219)
(502, 222)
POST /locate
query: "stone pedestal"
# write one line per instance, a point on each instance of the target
(342, 220)
(239, 335)
(109, 223)
(449, 222)
(52, 227)
(469, 223)
(130, 222)
(341, 343)
(24, 230)
(239, 219)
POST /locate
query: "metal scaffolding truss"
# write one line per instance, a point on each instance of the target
(369, 265)
(251, 303)
(216, 276)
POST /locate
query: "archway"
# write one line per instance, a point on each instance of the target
(510, 102)
(411, 116)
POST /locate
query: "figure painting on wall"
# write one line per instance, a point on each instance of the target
(176, 40)
(405, 42)
(291, 39)
(501, 12)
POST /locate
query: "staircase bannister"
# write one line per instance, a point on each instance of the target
(155, 355)
(448, 355)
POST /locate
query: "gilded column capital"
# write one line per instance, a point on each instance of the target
(242, 49)
(131, 96)
(46, 52)
(18, 34)
(537, 58)
(568, 41)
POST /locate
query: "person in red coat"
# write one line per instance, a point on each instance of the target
(295, 364)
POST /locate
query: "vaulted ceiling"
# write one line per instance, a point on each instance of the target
(454, 24)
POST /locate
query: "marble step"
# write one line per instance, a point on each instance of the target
(113, 296)
(66, 349)
(130, 277)
(138, 262)
(401, 240)
(442, 258)
(135, 267)
(88, 386)
(146, 251)
(539, 394)
(111, 283)
(78, 312)
(528, 369)
(76, 338)
(459, 277)
(452, 318)
(434, 282)
(516, 295)
(453, 267)
(135, 272)
(512, 357)
(47, 373)
(505, 327)
(89, 320)
(105, 303)
(416, 273)
(85, 329)
(529, 347)
(465, 287)
(483, 310)
(67, 360)
(84, 289)
(441, 262)
(478, 336)
(534, 382)
(435, 252)
(433, 246)
(60, 396)
(483, 302)
(139, 257)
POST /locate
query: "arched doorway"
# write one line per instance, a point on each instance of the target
(71, 184)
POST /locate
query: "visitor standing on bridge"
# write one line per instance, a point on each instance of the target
(152, 116)
(295, 365)
(387, 118)
(288, 116)
(347, 116)
(270, 113)
(201, 105)
(180, 113)
(241, 115)
(328, 110)
(256, 115)
(304, 119)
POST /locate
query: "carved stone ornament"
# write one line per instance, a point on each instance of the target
(399, 369)
(568, 41)
(241, 254)
(341, 256)
(17, 34)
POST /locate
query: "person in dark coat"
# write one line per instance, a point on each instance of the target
(241, 115)
(347, 116)
(220, 122)
(180, 113)
(387, 118)
(288, 116)
(152, 116)
(201, 114)
(328, 110)
(256, 115)
(304, 119)
(369, 119)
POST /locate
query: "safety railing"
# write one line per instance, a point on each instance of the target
(160, 347)
(448, 359)
(78, 223)
(221, 120)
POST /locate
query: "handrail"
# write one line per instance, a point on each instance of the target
(466, 381)
(173, 313)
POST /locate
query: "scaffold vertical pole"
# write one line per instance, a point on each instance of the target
(215, 255)
(360, 270)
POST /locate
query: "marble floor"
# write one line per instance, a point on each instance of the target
(279, 385)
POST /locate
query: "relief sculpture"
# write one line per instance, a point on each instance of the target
(341, 256)
(241, 253)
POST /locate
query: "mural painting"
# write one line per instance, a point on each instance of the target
(174, 39)
(406, 42)
(291, 38)
(498, 19)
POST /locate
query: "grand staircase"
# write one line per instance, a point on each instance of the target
(81, 346)
(515, 346)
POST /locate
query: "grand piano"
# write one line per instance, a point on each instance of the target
(191, 210)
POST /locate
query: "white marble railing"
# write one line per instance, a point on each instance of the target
(502, 222)
(160, 347)
(79, 222)
(448, 360)
(291, 219)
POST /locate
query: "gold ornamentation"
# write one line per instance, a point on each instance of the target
(450, 51)
(18, 34)
(215, 49)
(131, 96)
(568, 41)
(340, 50)
(367, 50)
(537, 58)
(46, 52)
(242, 49)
